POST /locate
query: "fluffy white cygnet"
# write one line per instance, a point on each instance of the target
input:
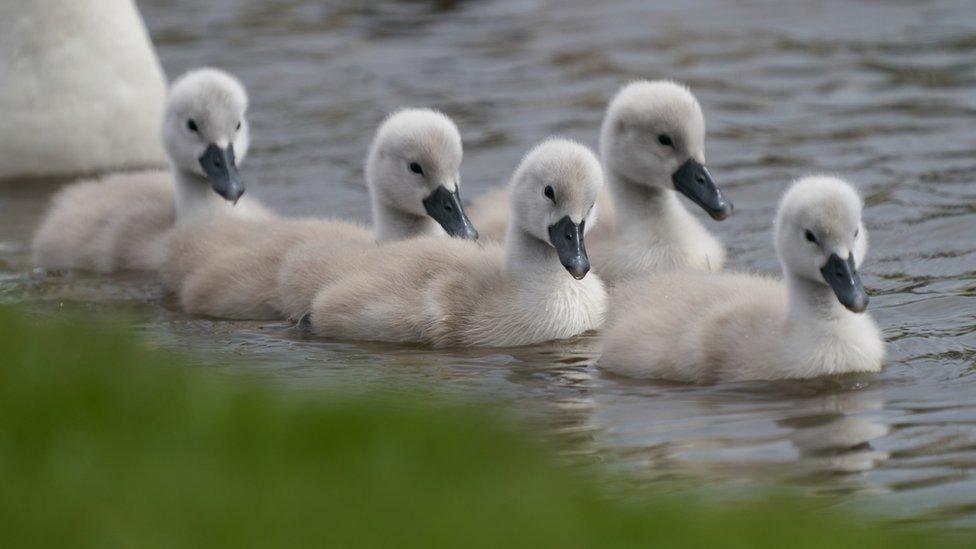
(699, 327)
(115, 222)
(413, 175)
(413, 171)
(652, 145)
(459, 293)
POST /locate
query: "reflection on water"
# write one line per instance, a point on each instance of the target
(881, 92)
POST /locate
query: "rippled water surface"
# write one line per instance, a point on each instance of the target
(882, 92)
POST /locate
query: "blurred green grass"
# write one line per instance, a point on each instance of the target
(104, 443)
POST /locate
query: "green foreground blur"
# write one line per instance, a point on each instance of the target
(104, 443)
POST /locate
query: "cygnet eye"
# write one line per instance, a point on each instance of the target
(857, 231)
(238, 126)
(415, 168)
(192, 125)
(549, 193)
(810, 237)
(665, 140)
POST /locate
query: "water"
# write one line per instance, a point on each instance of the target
(883, 93)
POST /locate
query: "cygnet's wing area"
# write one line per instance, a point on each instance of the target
(187, 246)
(384, 294)
(306, 268)
(677, 326)
(105, 224)
(241, 280)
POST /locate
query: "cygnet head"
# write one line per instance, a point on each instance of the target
(653, 135)
(820, 237)
(205, 130)
(552, 198)
(413, 169)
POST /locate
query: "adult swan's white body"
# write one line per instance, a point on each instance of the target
(81, 89)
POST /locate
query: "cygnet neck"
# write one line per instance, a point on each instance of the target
(645, 213)
(390, 223)
(810, 300)
(527, 256)
(194, 196)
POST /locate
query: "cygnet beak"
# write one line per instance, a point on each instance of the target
(221, 170)
(567, 238)
(843, 279)
(694, 181)
(445, 208)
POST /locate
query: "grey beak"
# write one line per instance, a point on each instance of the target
(445, 208)
(567, 238)
(694, 181)
(221, 170)
(843, 279)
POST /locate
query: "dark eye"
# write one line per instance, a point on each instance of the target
(415, 168)
(192, 125)
(810, 236)
(238, 126)
(857, 231)
(665, 140)
(549, 193)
